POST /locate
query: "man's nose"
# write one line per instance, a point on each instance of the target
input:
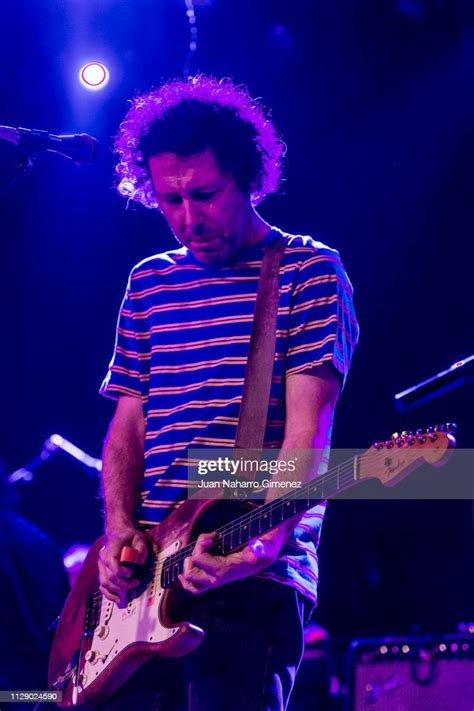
(192, 216)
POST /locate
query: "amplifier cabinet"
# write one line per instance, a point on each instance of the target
(412, 674)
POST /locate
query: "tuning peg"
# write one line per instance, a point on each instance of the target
(389, 444)
(399, 441)
(378, 445)
(420, 438)
(451, 427)
(429, 430)
(395, 436)
(433, 437)
(440, 428)
(419, 431)
(407, 433)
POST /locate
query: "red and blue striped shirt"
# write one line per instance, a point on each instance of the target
(182, 342)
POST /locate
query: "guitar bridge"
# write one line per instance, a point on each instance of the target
(68, 673)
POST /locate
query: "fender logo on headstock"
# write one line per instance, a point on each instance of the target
(391, 468)
(406, 451)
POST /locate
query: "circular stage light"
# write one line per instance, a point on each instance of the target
(94, 75)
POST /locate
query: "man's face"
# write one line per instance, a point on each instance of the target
(203, 206)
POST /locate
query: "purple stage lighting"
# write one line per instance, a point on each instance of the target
(94, 75)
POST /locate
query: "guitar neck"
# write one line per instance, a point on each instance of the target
(388, 461)
(261, 519)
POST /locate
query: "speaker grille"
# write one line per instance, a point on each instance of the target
(413, 674)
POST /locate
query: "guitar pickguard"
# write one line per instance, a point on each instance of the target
(120, 627)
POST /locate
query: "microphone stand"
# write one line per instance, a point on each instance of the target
(51, 447)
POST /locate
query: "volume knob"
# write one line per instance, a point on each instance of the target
(102, 631)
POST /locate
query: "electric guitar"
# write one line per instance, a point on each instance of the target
(98, 645)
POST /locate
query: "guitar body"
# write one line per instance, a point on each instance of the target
(98, 645)
(120, 640)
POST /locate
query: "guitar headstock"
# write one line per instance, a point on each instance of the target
(395, 458)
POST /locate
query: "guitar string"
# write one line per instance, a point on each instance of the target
(341, 471)
(272, 508)
(176, 558)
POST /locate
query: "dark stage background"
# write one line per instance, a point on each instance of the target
(375, 99)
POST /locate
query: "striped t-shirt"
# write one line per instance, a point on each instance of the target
(182, 342)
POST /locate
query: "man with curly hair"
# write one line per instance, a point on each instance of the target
(205, 154)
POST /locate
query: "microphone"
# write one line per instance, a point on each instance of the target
(79, 147)
(457, 374)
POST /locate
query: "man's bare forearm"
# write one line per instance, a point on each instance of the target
(311, 400)
(308, 452)
(122, 466)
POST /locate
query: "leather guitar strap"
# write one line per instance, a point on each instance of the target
(258, 375)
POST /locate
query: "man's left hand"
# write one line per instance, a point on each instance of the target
(203, 571)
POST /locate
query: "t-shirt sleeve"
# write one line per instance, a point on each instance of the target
(323, 325)
(128, 372)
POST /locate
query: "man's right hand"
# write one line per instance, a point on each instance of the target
(115, 579)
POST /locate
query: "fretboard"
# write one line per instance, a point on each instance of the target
(259, 520)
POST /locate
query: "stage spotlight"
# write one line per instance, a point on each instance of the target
(94, 75)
